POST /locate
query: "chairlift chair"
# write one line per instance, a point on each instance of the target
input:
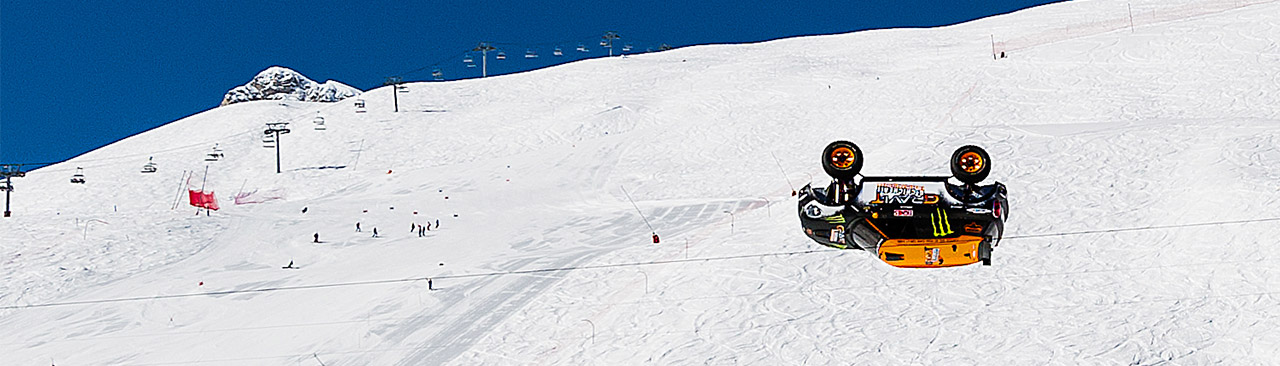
(530, 54)
(268, 140)
(214, 155)
(319, 121)
(360, 106)
(557, 52)
(604, 43)
(150, 167)
(626, 48)
(501, 55)
(582, 48)
(437, 74)
(79, 176)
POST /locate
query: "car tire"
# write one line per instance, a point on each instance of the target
(970, 164)
(842, 170)
(984, 252)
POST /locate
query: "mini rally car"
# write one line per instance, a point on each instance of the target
(907, 221)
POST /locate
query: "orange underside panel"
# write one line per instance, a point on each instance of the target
(930, 253)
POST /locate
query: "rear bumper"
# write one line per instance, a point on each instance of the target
(930, 253)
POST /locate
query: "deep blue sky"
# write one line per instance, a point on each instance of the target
(77, 75)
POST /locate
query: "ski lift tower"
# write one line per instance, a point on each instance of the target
(484, 49)
(8, 171)
(275, 129)
(607, 40)
(396, 89)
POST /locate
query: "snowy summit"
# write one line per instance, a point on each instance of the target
(282, 83)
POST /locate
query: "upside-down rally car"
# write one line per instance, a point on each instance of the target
(907, 221)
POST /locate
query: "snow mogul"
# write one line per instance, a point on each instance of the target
(913, 222)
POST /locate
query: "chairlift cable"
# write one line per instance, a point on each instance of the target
(571, 268)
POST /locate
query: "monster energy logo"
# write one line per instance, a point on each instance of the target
(941, 225)
(837, 219)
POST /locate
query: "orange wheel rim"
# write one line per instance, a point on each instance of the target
(971, 162)
(842, 157)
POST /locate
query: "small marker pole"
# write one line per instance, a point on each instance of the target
(993, 47)
(633, 204)
(1130, 17)
(593, 330)
(784, 173)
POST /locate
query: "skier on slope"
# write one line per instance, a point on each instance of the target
(357, 227)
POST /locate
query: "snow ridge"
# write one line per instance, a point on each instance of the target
(282, 83)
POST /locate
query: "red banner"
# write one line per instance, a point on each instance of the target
(203, 199)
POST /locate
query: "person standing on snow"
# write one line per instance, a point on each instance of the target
(317, 238)
(357, 227)
(375, 232)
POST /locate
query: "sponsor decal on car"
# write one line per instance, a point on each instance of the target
(837, 234)
(979, 211)
(892, 193)
(941, 224)
(932, 256)
(903, 213)
(973, 227)
(898, 193)
(837, 219)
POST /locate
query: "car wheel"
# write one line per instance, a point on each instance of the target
(970, 164)
(842, 160)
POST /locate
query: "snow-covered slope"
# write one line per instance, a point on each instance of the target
(282, 83)
(1171, 125)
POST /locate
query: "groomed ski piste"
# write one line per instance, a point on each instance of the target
(1140, 152)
